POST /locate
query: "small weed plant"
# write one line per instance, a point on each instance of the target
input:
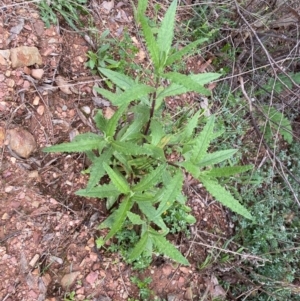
(130, 168)
(143, 286)
(69, 10)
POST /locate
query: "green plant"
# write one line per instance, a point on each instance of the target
(143, 286)
(130, 168)
(102, 58)
(281, 82)
(69, 10)
(178, 219)
(70, 296)
(275, 122)
(125, 240)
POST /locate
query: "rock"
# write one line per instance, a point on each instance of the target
(108, 113)
(21, 142)
(184, 270)
(63, 85)
(10, 82)
(189, 293)
(39, 27)
(5, 216)
(56, 259)
(33, 174)
(36, 101)
(9, 189)
(69, 279)
(37, 73)
(40, 110)
(3, 62)
(5, 54)
(25, 56)
(2, 135)
(34, 260)
(167, 270)
(86, 110)
(4, 57)
(172, 298)
(91, 277)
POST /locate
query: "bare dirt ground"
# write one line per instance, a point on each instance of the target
(47, 234)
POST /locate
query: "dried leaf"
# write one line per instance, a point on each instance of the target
(216, 291)
(109, 112)
(18, 28)
(63, 84)
(40, 110)
(2, 135)
(122, 17)
(100, 102)
(141, 55)
(108, 6)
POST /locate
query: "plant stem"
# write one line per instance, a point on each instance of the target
(153, 96)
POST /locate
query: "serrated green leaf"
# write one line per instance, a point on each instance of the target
(123, 160)
(170, 193)
(227, 171)
(177, 55)
(187, 82)
(150, 42)
(156, 132)
(216, 157)
(133, 93)
(100, 121)
(157, 151)
(96, 170)
(135, 219)
(145, 196)
(80, 143)
(191, 168)
(205, 78)
(128, 148)
(203, 140)
(279, 83)
(172, 90)
(91, 155)
(279, 122)
(110, 201)
(141, 162)
(151, 179)
(102, 191)
(141, 9)
(119, 217)
(224, 197)
(112, 123)
(109, 221)
(190, 127)
(150, 212)
(166, 31)
(139, 248)
(140, 118)
(117, 179)
(166, 248)
(106, 94)
(121, 80)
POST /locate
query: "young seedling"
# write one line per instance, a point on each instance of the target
(131, 152)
